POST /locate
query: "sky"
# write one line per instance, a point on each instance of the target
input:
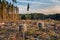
(39, 6)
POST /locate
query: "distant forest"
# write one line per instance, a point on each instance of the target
(36, 16)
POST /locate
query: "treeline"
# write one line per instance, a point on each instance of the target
(36, 16)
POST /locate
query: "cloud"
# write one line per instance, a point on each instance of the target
(56, 1)
(40, 6)
(52, 10)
